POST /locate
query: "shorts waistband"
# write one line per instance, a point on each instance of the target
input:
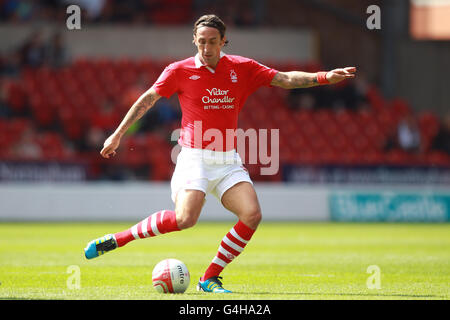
(218, 157)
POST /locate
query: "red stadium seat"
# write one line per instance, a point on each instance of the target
(373, 131)
(386, 120)
(437, 158)
(400, 107)
(361, 143)
(428, 123)
(398, 157)
(330, 130)
(344, 118)
(351, 158)
(364, 118)
(376, 99)
(303, 116)
(372, 157)
(15, 96)
(351, 130)
(306, 157)
(309, 129)
(52, 146)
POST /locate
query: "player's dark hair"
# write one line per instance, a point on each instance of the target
(213, 21)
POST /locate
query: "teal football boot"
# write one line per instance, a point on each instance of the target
(212, 284)
(99, 246)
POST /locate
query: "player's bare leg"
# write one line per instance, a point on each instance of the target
(187, 210)
(188, 206)
(241, 199)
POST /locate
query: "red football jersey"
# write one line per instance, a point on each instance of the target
(211, 99)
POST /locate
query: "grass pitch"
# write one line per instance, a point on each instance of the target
(283, 261)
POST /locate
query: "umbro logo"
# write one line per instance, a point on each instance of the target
(194, 77)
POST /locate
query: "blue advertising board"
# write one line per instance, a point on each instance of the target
(389, 206)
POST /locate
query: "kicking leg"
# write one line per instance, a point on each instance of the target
(188, 206)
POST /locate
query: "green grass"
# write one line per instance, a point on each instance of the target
(283, 261)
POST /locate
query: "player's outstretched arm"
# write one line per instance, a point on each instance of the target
(137, 110)
(300, 79)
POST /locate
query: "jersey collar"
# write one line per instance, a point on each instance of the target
(199, 64)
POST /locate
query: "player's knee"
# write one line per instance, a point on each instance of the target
(257, 217)
(185, 221)
(252, 218)
(188, 207)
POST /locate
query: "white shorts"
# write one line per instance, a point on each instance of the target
(209, 171)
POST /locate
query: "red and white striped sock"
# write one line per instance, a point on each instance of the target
(158, 223)
(231, 246)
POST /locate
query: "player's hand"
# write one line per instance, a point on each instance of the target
(110, 146)
(340, 74)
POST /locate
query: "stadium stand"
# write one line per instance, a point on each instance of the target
(71, 110)
(52, 111)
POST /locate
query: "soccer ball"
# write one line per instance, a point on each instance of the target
(170, 276)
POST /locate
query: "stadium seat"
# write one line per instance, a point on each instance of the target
(428, 123)
(52, 146)
(375, 99)
(372, 157)
(400, 107)
(15, 96)
(360, 143)
(398, 157)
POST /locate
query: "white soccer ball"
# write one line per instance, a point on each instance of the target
(170, 276)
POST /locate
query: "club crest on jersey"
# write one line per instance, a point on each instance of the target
(233, 76)
(194, 77)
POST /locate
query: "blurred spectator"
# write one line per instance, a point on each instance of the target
(302, 100)
(235, 13)
(10, 64)
(93, 8)
(56, 52)
(95, 138)
(345, 95)
(441, 141)
(33, 50)
(165, 111)
(158, 117)
(36, 52)
(175, 12)
(407, 136)
(349, 96)
(27, 147)
(168, 111)
(18, 10)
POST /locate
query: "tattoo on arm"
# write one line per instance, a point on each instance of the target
(139, 108)
(295, 79)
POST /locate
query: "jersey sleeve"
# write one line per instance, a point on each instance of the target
(166, 85)
(260, 75)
